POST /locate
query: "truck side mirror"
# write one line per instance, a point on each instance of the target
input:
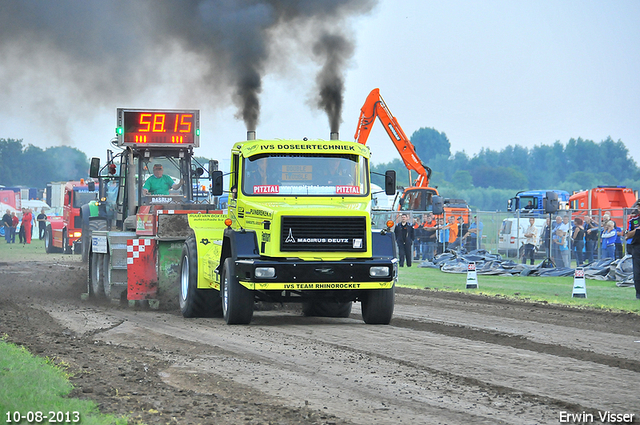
(216, 183)
(94, 168)
(550, 202)
(91, 186)
(199, 171)
(437, 205)
(390, 182)
(510, 204)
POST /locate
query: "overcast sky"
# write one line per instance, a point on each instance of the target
(487, 73)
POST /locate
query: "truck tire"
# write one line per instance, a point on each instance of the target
(66, 249)
(377, 306)
(106, 269)
(98, 224)
(195, 302)
(48, 242)
(96, 275)
(326, 309)
(237, 301)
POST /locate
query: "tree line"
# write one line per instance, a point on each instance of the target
(32, 166)
(486, 180)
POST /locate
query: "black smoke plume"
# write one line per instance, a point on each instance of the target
(333, 50)
(66, 57)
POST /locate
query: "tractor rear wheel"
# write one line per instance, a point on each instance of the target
(106, 274)
(96, 224)
(96, 275)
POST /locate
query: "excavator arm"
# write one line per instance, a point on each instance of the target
(374, 107)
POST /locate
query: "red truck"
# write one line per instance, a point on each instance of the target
(63, 233)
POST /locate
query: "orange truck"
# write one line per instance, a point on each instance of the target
(597, 201)
(418, 197)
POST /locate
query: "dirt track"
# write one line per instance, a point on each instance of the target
(445, 359)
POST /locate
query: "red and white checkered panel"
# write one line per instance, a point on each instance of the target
(135, 247)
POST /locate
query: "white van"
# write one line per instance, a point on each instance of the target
(511, 238)
(379, 199)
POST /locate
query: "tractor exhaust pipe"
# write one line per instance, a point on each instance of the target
(251, 135)
(334, 135)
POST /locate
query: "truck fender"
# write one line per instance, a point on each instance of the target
(56, 222)
(384, 245)
(239, 244)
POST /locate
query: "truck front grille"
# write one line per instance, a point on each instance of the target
(328, 234)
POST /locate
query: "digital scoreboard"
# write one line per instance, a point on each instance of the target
(158, 127)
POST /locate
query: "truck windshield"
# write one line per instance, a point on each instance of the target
(81, 197)
(312, 174)
(163, 179)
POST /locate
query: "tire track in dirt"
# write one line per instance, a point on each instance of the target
(598, 347)
(298, 348)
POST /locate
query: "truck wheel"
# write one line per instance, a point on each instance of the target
(237, 301)
(326, 309)
(195, 302)
(48, 242)
(86, 236)
(66, 249)
(377, 306)
(96, 275)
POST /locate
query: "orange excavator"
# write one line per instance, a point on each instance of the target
(419, 196)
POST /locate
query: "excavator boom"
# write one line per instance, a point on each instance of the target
(374, 107)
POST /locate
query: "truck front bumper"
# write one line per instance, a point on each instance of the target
(317, 275)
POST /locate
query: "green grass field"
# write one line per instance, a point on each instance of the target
(552, 290)
(34, 251)
(34, 384)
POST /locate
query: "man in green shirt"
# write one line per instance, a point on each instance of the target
(159, 184)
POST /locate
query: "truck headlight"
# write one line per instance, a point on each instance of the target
(77, 234)
(265, 272)
(379, 271)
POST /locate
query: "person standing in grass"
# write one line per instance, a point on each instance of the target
(14, 226)
(578, 240)
(565, 252)
(7, 222)
(404, 239)
(531, 233)
(27, 223)
(592, 230)
(632, 235)
(609, 235)
(557, 240)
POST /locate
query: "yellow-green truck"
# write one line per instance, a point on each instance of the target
(297, 229)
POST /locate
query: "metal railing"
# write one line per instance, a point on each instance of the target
(503, 232)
